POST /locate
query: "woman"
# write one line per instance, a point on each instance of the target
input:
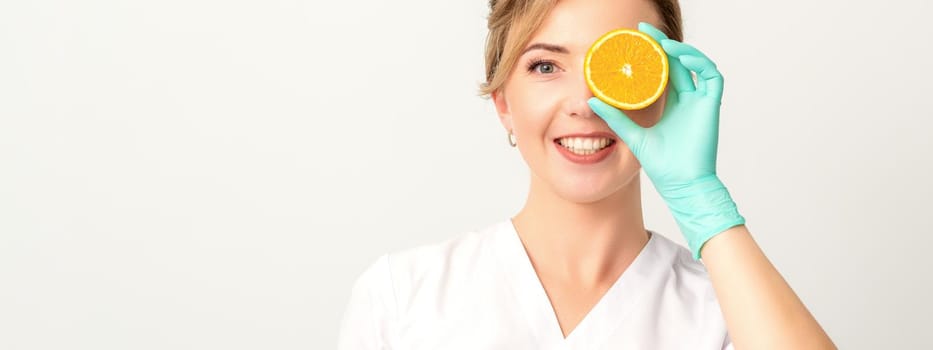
(575, 268)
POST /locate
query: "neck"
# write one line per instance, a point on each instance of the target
(582, 243)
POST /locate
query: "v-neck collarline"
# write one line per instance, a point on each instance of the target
(605, 316)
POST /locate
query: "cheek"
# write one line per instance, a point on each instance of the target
(627, 161)
(531, 113)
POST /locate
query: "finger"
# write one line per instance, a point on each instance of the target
(701, 84)
(632, 134)
(707, 74)
(680, 76)
(676, 48)
(709, 80)
(653, 32)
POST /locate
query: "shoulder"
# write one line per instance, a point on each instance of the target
(682, 282)
(686, 287)
(681, 266)
(421, 275)
(682, 296)
(463, 247)
(398, 272)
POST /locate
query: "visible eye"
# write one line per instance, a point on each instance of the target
(546, 67)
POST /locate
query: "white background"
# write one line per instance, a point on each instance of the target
(215, 174)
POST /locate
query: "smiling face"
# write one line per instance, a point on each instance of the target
(544, 100)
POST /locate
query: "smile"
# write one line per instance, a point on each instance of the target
(585, 150)
(585, 145)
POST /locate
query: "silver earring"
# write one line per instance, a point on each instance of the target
(512, 140)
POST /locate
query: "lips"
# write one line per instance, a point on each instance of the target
(589, 154)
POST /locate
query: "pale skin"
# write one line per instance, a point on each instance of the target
(582, 225)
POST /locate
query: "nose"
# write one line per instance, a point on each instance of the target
(578, 93)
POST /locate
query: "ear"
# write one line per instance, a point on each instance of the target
(502, 108)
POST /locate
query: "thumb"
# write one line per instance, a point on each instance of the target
(632, 134)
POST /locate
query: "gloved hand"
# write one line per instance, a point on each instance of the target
(679, 152)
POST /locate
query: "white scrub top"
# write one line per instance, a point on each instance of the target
(478, 290)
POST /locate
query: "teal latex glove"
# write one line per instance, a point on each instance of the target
(679, 152)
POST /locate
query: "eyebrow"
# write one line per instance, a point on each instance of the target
(545, 46)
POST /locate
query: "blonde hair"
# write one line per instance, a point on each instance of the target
(512, 22)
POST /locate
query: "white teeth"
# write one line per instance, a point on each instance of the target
(584, 145)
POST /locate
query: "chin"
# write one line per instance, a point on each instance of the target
(586, 190)
(586, 187)
(579, 197)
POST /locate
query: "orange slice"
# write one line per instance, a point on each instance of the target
(626, 69)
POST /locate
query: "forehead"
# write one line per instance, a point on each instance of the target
(576, 24)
